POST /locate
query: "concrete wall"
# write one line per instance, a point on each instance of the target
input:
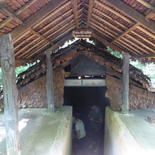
(127, 135)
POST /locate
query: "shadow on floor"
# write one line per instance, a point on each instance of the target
(89, 147)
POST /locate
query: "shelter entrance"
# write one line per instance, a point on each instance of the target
(81, 99)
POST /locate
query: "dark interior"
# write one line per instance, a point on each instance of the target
(81, 99)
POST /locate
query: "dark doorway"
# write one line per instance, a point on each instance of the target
(81, 99)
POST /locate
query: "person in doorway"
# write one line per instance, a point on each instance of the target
(96, 123)
(79, 134)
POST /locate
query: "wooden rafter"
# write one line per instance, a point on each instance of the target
(114, 12)
(102, 29)
(120, 5)
(140, 43)
(126, 32)
(10, 16)
(24, 7)
(40, 36)
(107, 43)
(75, 12)
(133, 45)
(90, 10)
(146, 40)
(127, 44)
(145, 3)
(107, 23)
(110, 18)
(31, 21)
(6, 21)
(55, 46)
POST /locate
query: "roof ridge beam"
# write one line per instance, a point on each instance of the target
(132, 13)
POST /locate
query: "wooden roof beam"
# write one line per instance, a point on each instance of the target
(90, 10)
(35, 18)
(104, 41)
(114, 12)
(40, 36)
(52, 48)
(145, 3)
(131, 12)
(24, 7)
(10, 15)
(126, 32)
(75, 12)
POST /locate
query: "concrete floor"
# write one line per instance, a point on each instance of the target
(42, 133)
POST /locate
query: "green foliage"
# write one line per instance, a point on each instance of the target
(115, 53)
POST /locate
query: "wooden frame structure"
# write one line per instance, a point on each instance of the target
(38, 26)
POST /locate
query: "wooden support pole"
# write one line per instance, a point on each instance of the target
(49, 83)
(10, 95)
(125, 83)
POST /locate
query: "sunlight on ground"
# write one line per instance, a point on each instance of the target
(22, 124)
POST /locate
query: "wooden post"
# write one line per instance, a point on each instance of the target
(49, 83)
(10, 95)
(125, 83)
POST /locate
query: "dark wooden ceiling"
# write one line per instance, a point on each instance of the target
(40, 25)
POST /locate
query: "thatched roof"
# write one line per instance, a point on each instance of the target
(64, 56)
(39, 25)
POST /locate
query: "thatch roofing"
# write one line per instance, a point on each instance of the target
(37, 25)
(64, 56)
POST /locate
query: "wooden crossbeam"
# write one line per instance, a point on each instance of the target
(40, 36)
(131, 12)
(104, 41)
(6, 21)
(126, 32)
(90, 10)
(75, 12)
(10, 17)
(35, 18)
(52, 48)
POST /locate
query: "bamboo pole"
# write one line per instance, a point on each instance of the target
(125, 83)
(10, 95)
(49, 83)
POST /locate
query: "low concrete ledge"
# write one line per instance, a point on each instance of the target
(44, 133)
(128, 134)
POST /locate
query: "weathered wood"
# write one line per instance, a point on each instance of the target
(126, 32)
(10, 95)
(132, 13)
(90, 10)
(49, 83)
(75, 12)
(125, 83)
(34, 19)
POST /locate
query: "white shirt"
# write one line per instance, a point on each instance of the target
(80, 126)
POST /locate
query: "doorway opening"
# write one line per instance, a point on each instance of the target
(82, 99)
